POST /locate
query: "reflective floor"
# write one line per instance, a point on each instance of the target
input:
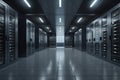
(60, 64)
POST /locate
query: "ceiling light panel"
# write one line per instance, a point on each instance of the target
(93, 3)
(60, 20)
(28, 4)
(60, 3)
(73, 27)
(41, 19)
(79, 20)
(47, 28)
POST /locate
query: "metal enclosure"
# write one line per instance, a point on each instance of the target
(103, 36)
(52, 40)
(8, 34)
(89, 39)
(69, 40)
(78, 40)
(26, 36)
(30, 37)
(42, 39)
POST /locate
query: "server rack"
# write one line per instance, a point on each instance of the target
(90, 39)
(76, 40)
(2, 34)
(26, 36)
(12, 34)
(30, 37)
(8, 34)
(104, 36)
(42, 39)
(80, 40)
(52, 41)
(108, 38)
(97, 36)
(68, 41)
(115, 35)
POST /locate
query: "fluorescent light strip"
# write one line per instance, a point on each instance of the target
(73, 27)
(27, 3)
(41, 20)
(70, 31)
(48, 28)
(60, 3)
(79, 20)
(93, 3)
(80, 29)
(40, 29)
(60, 20)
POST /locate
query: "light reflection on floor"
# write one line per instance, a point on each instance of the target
(60, 59)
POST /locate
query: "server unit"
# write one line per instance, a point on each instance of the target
(42, 39)
(115, 35)
(30, 37)
(8, 34)
(90, 39)
(97, 31)
(52, 41)
(78, 40)
(26, 36)
(68, 41)
(106, 36)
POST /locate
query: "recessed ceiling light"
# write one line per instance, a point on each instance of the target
(73, 27)
(80, 29)
(50, 31)
(48, 28)
(40, 29)
(60, 3)
(27, 3)
(79, 20)
(76, 32)
(60, 20)
(70, 31)
(41, 19)
(93, 3)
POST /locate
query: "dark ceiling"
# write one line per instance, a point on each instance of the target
(73, 10)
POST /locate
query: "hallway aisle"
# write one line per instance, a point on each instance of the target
(60, 64)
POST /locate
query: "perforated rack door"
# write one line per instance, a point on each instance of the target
(11, 32)
(2, 34)
(104, 37)
(115, 35)
(97, 35)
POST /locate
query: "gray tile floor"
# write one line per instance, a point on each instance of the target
(60, 64)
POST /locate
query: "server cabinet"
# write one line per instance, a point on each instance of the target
(52, 41)
(104, 38)
(97, 37)
(8, 34)
(115, 35)
(90, 39)
(30, 37)
(68, 41)
(42, 39)
(12, 34)
(2, 34)
(76, 40)
(80, 40)
(26, 36)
